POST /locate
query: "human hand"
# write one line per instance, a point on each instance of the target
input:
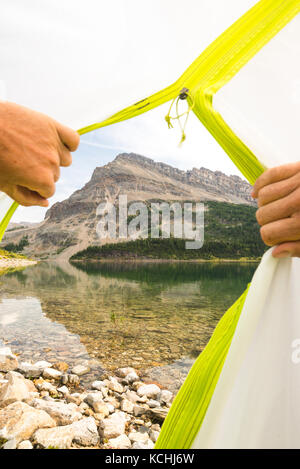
(33, 146)
(278, 195)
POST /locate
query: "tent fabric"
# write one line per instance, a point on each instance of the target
(256, 401)
(231, 395)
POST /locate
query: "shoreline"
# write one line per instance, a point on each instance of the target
(13, 262)
(148, 260)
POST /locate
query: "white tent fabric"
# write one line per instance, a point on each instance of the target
(256, 401)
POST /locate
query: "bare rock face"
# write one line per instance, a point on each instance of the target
(18, 421)
(70, 226)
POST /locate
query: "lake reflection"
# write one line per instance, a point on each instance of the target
(137, 314)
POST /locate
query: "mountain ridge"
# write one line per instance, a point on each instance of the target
(70, 225)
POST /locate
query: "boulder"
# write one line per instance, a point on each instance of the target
(113, 426)
(16, 389)
(121, 442)
(63, 414)
(19, 421)
(83, 433)
(86, 432)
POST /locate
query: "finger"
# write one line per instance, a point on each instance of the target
(287, 250)
(65, 156)
(44, 185)
(278, 190)
(281, 231)
(69, 137)
(272, 175)
(26, 197)
(282, 208)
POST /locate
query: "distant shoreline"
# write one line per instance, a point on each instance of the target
(139, 259)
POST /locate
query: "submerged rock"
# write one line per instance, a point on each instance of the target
(8, 361)
(80, 370)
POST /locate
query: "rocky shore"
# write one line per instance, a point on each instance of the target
(14, 262)
(44, 405)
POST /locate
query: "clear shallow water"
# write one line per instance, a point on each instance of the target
(156, 316)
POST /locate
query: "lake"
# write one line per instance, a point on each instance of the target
(156, 317)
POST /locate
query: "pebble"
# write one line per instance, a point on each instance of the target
(120, 442)
(153, 403)
(98, 385)
(114, 385)
(138, 436)
(148, 390)
(113, 426)
(80, 370)
(26, 444)
(127, 406)
(51, 373)
(143, 445)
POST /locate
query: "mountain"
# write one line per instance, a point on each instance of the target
(70, 226)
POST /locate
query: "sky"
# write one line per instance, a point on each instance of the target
(108, 74)
(147, 135)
